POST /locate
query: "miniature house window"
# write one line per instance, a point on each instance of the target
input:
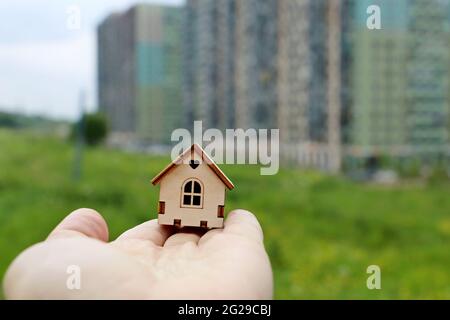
(192, 194)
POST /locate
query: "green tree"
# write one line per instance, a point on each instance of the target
(94, 127)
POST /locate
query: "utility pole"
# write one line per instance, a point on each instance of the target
(79, 139)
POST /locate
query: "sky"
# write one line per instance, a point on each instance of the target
(48, 53)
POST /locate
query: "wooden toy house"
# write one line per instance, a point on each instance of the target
(192, 191)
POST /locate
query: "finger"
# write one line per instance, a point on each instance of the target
(243, 223)
(149, 230)
(82, 223)
(188, 236)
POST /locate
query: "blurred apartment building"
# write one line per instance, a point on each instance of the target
(230, 63)
(139, 77)
(338, 91)
(263, 64)
(313, 84)
(400, 100)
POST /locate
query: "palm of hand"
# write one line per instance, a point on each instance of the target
(146, 262)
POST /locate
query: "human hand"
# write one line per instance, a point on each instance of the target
(148, 261)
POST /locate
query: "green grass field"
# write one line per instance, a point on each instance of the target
(321, 232)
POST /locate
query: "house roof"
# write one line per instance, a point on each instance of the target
(205, 158)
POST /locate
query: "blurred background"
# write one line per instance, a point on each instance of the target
(91, 91)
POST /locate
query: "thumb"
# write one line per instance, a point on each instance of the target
(82, 223)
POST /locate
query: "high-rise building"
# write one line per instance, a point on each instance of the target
(255, 54)
(427, 98)
(226, 63)
(379, 80)
(230, 52)
(209, 44)
(304, 79)
(400, 79)
(313, 88)
(335, 88)
(264, 64)
(115, 43)
(139, 72)
(349, 92)
(200, 61)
